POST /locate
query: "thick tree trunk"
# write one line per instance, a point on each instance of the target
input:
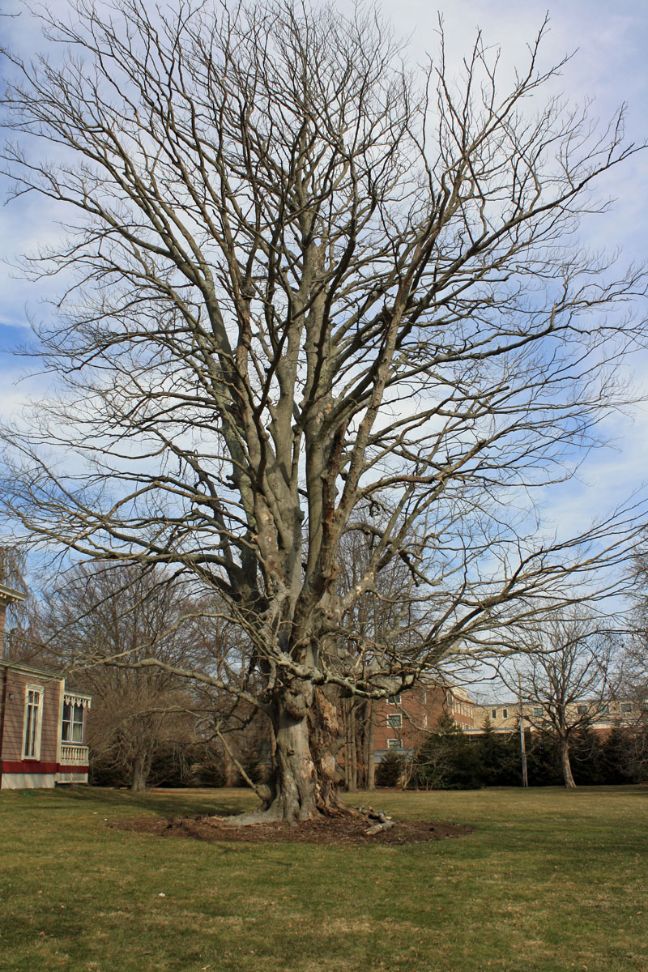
(295, 784)
(326, 740)
(566, 765)
(305, 781)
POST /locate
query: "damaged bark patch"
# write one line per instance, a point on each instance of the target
(342, 830)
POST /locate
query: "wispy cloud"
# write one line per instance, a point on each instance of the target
(608, 67)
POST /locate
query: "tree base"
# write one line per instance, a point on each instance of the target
(274, 814)
(343, 831)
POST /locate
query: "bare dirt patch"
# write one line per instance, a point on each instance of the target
(335, 830)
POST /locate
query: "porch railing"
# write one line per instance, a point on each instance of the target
(73, 754)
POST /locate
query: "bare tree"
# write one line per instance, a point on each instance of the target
(566, 680)
(309, 291)
(634, 668)
(100, 614)
(386, 606)
(12, 576)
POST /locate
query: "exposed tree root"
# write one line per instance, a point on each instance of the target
(273, 814)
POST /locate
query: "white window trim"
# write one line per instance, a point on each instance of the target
(397, 746)
(40, 691)
(395, 715)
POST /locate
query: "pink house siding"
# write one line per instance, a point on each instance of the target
(40, 757)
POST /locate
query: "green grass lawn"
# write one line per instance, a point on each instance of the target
(549, 880)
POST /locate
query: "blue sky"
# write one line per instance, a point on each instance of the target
(609, 66)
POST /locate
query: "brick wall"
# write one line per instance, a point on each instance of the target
(419, 711)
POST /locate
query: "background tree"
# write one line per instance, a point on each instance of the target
(309, 291)
(634, 669)
(498, 756)
(446, 760)
(12, 575)
(108, 613)
(384, 607)
(566, 680)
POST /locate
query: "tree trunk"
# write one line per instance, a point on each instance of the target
(230, 770)
(305, 783)
(566, 764)
(140, 774)
(351, 750)
(326, 740)
(370, 762)
(295, 784)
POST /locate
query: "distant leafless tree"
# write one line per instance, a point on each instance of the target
(311, 292)
(567, 679)
(634, 672)
(94, 619)
(13, 565)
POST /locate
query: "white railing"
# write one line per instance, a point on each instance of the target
(73, 754)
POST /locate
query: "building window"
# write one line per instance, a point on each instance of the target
(604, 709)
(393, 744)
(493, 713)
(394, 699)
(581, 709)
(504, 713)
(537, 711)
(626, 707)
(72, 722)
(33, 722)
(395, 721)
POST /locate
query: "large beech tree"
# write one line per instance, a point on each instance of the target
(311, 293)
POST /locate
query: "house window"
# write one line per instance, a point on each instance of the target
(393, 744)
(504, 713)
(581, 709)
(33, 722)
(537, 711)
(72, 722)
(394, 699)
(493, 713)
(626, 707)
(395, 721)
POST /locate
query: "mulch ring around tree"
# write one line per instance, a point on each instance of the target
(333, 830)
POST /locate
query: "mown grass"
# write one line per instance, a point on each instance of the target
(549, 880)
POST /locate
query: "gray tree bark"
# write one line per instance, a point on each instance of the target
(565, 762)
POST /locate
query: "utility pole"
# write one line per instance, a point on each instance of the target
(523, 755)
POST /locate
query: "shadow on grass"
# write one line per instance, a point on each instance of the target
(165, 803)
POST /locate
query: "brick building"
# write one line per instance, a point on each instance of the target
(402, 722)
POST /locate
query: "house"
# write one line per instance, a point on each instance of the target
(42, 723)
